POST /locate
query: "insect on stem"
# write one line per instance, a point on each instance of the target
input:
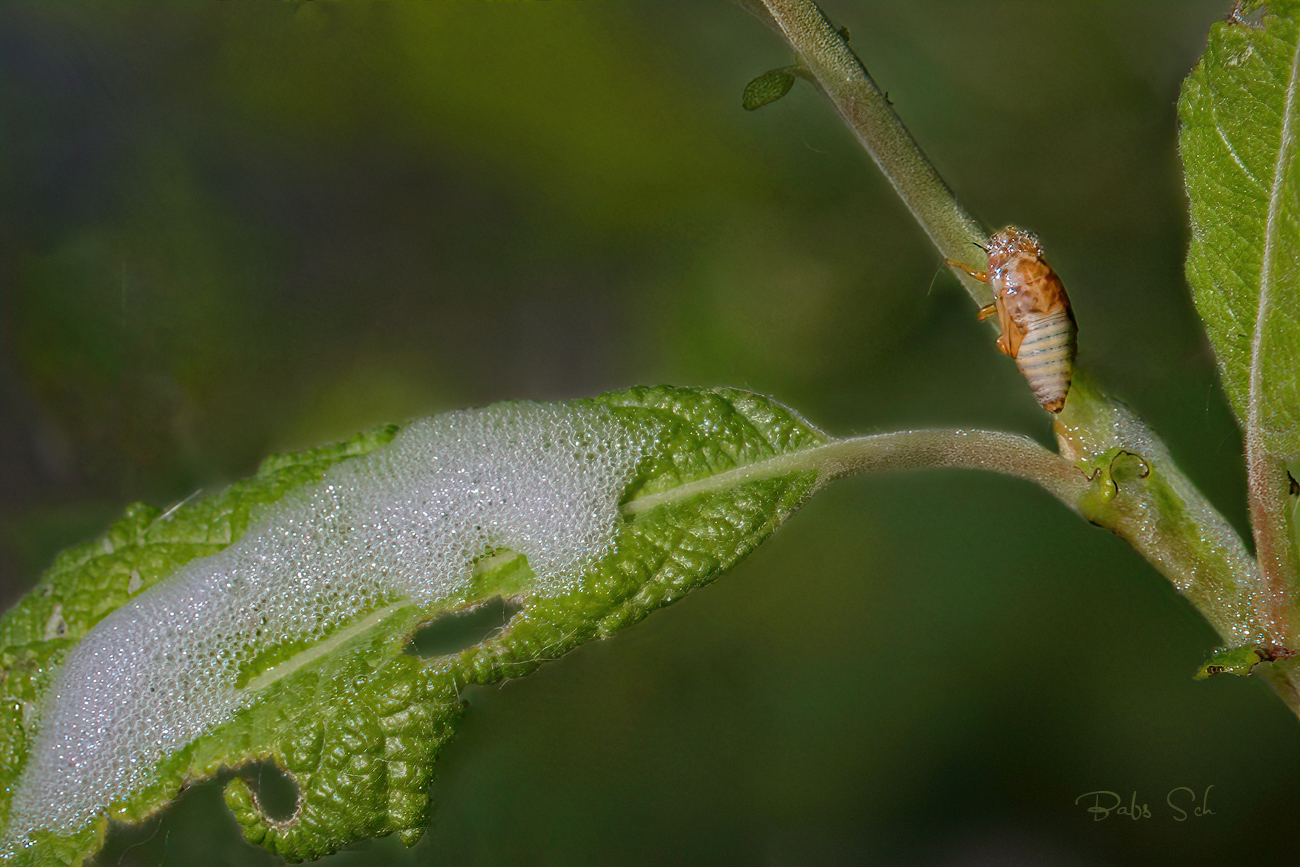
(1033, 312)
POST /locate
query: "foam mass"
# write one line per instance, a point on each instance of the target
(404, 522)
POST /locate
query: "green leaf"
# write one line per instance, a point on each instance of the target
(768, 87)
(1240, 144)
(358, 719)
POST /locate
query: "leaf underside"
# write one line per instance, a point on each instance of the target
(359, 727)
(1240, 144)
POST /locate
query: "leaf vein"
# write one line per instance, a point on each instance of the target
(1286, 144)
(1230, 147)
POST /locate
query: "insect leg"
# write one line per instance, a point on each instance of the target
(981, 276)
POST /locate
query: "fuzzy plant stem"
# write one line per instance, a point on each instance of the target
(1267, 485)
(840, 75)
(1009, 454)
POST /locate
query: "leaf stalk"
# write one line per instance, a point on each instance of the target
(1005, 453)
(1267, 487)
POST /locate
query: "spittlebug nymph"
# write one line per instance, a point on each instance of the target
(1033, 312)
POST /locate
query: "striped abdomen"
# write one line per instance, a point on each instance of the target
(1046, 356)
(1033, 313)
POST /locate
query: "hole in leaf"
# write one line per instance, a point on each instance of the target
(454, 632)
(275, 791)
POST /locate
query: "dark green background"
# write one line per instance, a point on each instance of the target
(230, 230)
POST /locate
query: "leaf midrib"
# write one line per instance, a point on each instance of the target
(316, 651)
(1286, 145)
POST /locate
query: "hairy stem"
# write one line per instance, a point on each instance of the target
(1163, 515)
(1009, 454)
(1267, 486)
(841, 76)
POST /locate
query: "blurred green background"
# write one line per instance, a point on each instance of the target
(230, 230)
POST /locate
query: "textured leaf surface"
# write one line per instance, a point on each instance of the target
(359, 721)
(1240, 112)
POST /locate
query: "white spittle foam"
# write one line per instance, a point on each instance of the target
(406, 521)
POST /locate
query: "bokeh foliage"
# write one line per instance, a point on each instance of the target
(232, 230)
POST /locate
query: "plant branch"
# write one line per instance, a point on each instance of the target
(1267, 487)
(1163, 516)
(840, 75)
(1009, 454)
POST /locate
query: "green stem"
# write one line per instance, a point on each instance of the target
(847, 84)
(1267, 485)
(1162, 514)
(1170, 523)
(1009, 454)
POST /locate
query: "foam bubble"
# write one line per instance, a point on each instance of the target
(405, 522)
